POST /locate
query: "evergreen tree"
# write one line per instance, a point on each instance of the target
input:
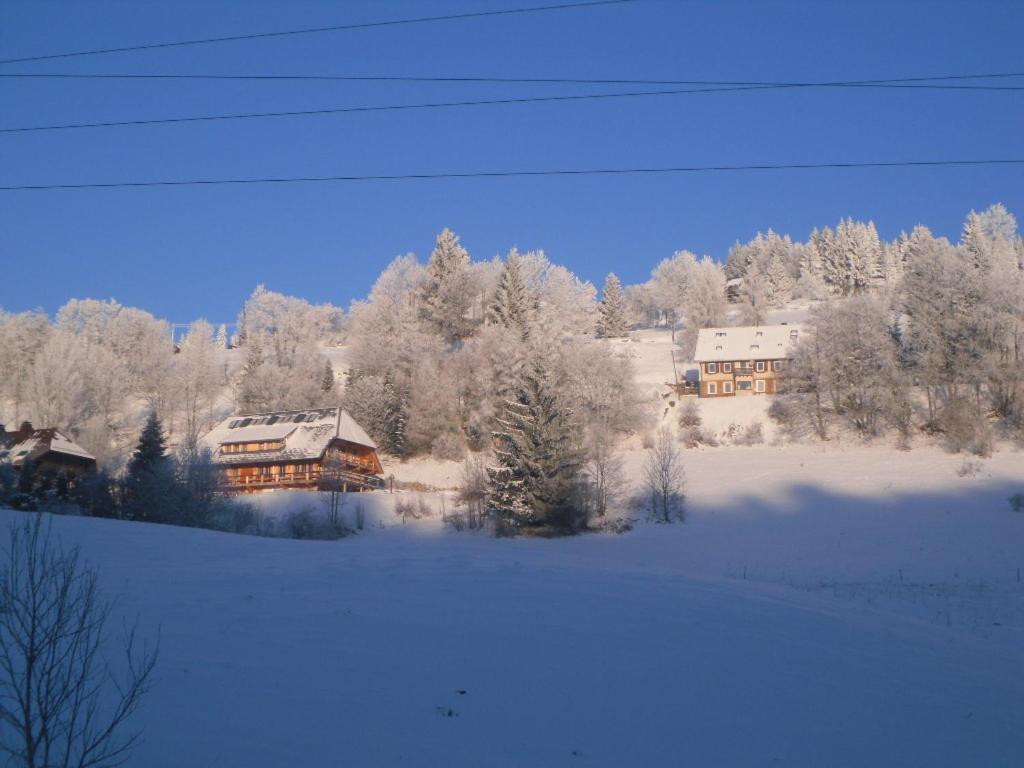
(222, 336)
(537, 478)
(612, 322)
(151, 452)
(27, 476)
(510, 306)
(149, 485)
(446, 294)
(395, 415)
(327, 382)
(251, 390)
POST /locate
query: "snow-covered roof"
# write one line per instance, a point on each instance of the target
(306, 435)
(40, 442)
(749, 342)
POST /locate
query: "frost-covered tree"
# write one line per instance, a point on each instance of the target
(150, 488)
(754, 302)
(253, 388)
(535, 482)
(22, 336)
(448, 289)
(664, 479)
(327, 384)
(847, 366)
(612, 322)
(511, 306)
(198, 381)
(394, 416)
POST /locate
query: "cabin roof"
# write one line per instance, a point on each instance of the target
(306, 434)
(35, 443)
(748, 342)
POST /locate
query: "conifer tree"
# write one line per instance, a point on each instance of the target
(535, 483)
(251, 394)
(510, 306)
(327, 382)
(151, 452)
(395, 415)
(612, 322)
(149, 485)
(446, 294)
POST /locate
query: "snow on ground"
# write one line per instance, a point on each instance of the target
(832, 606)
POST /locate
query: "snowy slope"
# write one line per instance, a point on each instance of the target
(880, 623)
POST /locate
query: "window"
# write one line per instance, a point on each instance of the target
(726, 367)
(776, 365)
(743, 386)
(719, 333)
(759, 385)
(760, 366)
(759, 333)
(726, 387)
(754, 347)
(712, 367)
(712, 388)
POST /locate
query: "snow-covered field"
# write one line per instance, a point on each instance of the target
(851, 606)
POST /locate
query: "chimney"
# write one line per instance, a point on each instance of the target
(26, 426)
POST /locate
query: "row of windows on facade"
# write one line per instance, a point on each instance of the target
(760, 366)
(274, 445)
(741, 386)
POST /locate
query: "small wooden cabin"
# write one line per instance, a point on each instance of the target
(745, 360)
(318, 448)
(51, 451)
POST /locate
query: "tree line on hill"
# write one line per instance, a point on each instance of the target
(510, 356)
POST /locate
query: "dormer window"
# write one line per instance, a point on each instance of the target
(719, 333)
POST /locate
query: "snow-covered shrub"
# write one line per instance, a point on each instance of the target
(969, 468)
(472, 494)
(784, 412)
(964, 428)
(448, 446)
(753, 434)
(307, 523)
(689, 413)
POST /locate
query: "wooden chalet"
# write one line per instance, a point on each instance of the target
(746, 360)
(318, 448)
(50, 451)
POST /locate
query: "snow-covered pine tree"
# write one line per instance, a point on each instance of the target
(222, 336)
(830, 258)
(511, 304)
(327, 380)
(149, 482)
(754, 299)
(535, 483)
(251, 395)
(446, 296)
(779, 281)
(612, 322)
(395, 405)
(151, 450)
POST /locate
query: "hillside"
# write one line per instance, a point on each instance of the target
(881, 626)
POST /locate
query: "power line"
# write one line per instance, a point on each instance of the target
(505, 80)
(477, 103)
(318, 30)
(507, 174)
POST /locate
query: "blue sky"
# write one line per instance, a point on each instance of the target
(190, 252)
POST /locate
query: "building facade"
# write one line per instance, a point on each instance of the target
(746, 360)
(317, 448)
